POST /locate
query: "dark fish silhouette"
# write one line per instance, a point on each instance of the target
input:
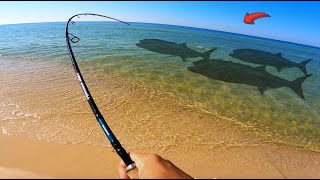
(171, 48)
(239, 73)
(266, 58)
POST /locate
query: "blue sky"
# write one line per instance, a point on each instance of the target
(290, 21)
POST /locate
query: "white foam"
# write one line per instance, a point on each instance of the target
(5, 131)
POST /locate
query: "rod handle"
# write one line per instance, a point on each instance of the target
(123, 154)
(131, 168)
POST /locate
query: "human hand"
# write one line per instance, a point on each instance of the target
(152, 166)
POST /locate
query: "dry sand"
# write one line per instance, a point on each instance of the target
(49, 131)
(24, 158)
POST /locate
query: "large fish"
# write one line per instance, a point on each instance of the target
(242, 74)
(266, 58)
(171, 48)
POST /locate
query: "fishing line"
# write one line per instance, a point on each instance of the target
(106, 129)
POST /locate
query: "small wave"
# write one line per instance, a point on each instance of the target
(19, 57)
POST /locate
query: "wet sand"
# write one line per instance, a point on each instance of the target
(50, 160)
(49, 130)
(25, 158)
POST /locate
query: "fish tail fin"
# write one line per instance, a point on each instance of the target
(296, 85)
(206, 55)
(302, 66)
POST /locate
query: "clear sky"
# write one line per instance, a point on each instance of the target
(290, 21)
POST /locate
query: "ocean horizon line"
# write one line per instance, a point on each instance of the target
(198, 28)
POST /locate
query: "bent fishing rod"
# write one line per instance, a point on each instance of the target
(106, 129)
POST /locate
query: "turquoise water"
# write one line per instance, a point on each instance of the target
(111, 48)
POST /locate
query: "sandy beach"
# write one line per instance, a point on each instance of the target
(24, 158)
(48, 130)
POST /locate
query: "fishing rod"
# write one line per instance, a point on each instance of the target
(106, 129)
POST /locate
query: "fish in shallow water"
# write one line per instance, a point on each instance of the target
(266, 58)
(171, 48)
(243, 74)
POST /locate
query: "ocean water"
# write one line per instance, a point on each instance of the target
(109, 48)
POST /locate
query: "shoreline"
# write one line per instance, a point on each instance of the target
(48, 128)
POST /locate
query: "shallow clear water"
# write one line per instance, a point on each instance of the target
(108, 48)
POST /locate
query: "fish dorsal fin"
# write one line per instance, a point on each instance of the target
(184, 44)
(279, 54)
(262, 68)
